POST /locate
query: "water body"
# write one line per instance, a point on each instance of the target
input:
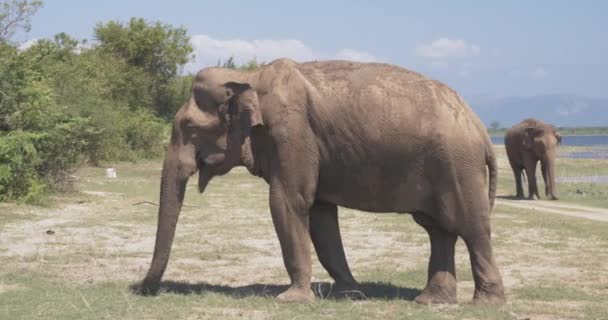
(578, 141)
(598, 145)
(595, 154)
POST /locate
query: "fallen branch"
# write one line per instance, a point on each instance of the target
(156, 204)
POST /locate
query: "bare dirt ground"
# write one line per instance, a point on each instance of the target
(567, 209)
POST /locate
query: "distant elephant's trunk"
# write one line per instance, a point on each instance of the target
(173, 186)
(549, 171)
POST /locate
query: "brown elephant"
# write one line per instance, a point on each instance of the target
(367, 136)
(527, 143)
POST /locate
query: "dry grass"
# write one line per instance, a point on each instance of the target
(226, 260)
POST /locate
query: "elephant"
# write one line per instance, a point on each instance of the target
(367, 136)
(527, 143)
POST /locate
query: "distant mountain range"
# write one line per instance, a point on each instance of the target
(562, 110)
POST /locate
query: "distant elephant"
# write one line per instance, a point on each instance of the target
(366, 136)
(527, 143)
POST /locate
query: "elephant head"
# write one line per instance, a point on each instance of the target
(210, 134)
(541, 141)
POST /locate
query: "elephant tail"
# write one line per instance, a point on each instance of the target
(492, 169)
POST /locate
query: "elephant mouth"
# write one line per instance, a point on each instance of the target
(214, 160)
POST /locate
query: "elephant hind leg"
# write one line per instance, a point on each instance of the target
(488, 282)
(466, 213)
(474, 228)
(441, 283)
(325, 235)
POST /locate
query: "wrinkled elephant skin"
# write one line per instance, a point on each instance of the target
(372, 137)
(527, 143)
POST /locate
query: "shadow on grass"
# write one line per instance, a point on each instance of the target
(510, 197)
(370, 290)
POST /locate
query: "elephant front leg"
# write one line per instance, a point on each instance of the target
(441, 283)
(517, 172)
(325, 234)
(532, 186)
(291, 221)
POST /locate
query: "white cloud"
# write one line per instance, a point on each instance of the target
(80, 47)
(209, 50)
(27, 44)
(356, 55)
(447, 48)
(539, 73)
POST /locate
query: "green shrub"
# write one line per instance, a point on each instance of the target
(62, 103)
(18, 162)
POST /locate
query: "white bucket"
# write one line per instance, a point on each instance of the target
(110, 173)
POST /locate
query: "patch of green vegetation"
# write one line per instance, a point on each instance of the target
(33, 295)
(597, 310)
(564, 226)
(583, 131)
(553, 293)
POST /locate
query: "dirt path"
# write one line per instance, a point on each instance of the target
(567, 209)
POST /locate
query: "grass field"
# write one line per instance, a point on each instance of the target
(78, 258)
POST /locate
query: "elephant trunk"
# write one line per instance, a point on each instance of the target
(172, 190)
(550, 175)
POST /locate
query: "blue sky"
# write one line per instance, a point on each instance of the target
(493, 48)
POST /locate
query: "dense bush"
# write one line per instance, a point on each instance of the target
(63, 102)
(39, 139)
(18, 162)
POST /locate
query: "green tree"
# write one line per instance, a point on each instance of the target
(113, 95)
(39, 139)
(16, 15)
(158, 49)
(494, 125)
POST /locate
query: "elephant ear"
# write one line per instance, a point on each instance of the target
(528, 137)
(243, 101)
(558, 136)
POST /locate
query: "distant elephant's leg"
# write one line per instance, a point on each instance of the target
(488, 282)
(517, 172)
(441, 283)
(532, 187)
(325, 235)
(543, 169)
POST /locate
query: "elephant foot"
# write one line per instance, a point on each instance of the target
(554, 198)
(346, 291)
(297, 295)
(149, 287)
(437, 295)
(533, 197)
(490, 294)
